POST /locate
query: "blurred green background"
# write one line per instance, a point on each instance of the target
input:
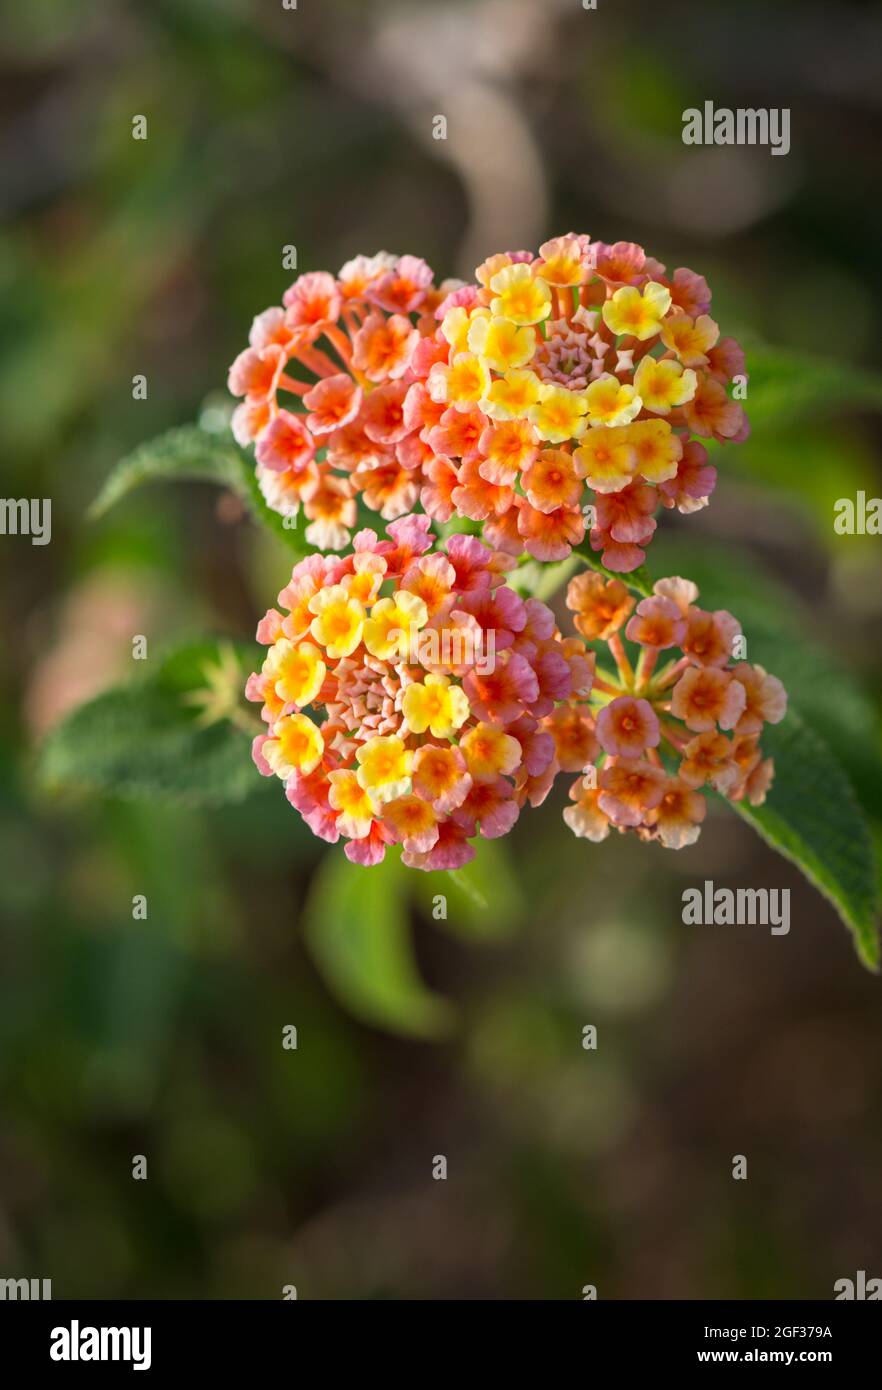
(162, 1037)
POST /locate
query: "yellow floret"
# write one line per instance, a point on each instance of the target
(520, 296)
(635, 312)
(339, 620)
(435, 705)
(384, 767)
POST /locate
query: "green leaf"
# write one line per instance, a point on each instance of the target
(812, 463)
(812, 817)
(190, 453)
(785, 385)
(146, 739)
(638, 579)
(357, 928)
(825, 749)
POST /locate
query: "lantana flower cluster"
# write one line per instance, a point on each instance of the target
(678, 715)
(584, 377)
(324, 380)
(411, 696)
(406, 691)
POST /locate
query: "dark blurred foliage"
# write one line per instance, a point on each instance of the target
(120, 1037)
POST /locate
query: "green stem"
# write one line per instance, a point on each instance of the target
(553, 577)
